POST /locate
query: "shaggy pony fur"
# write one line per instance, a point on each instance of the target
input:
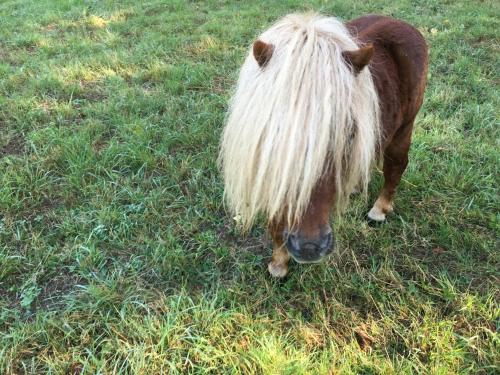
(303, 113)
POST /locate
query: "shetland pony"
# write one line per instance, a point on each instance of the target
(316, 103)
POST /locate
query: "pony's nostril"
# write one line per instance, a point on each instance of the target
(288, 235)
(326, 241)
(294, 243)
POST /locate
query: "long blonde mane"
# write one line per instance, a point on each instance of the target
(303, 114)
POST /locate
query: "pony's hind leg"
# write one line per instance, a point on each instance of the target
(395, 162)
(278, 266)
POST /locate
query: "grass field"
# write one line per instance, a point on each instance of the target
(116, 253)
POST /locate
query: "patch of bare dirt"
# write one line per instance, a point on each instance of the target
(15, 146)
(53, 291)
(7, 297)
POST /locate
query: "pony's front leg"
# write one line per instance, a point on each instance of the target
(278, 266)
(395, 162)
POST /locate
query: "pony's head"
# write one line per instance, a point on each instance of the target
(301, 131)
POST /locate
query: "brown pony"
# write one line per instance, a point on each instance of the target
(317, 102)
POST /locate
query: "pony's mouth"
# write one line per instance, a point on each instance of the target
(303, 261)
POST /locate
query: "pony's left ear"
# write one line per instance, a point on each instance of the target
(262, 52)
(360, 58)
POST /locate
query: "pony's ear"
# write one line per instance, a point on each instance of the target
(359, 58)
(262, 52)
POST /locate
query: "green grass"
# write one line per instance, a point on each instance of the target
(116, 253)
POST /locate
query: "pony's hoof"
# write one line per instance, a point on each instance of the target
(277, 270)
(379, 211)
(376, 215)
(374, 223)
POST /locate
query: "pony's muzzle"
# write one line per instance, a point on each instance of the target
(307, 250)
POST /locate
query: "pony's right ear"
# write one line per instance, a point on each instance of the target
(359, 58)
(262, 52)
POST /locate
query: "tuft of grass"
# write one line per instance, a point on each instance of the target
(116, 253)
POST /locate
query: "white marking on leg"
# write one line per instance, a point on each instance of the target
(380, 209)
(278, 266)
(277, 269)
(376, 214)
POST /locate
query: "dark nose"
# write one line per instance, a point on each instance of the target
(309, 250)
